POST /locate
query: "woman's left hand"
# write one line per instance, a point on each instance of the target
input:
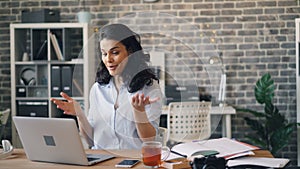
(139, 101)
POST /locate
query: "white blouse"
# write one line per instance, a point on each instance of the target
(115, 128)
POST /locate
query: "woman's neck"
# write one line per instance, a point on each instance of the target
(118, 80)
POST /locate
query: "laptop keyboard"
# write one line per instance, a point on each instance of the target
(98, 157)
(92, 159)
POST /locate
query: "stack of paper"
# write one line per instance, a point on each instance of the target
(259, 161)
(236, 153)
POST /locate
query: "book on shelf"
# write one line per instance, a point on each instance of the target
(56, 47)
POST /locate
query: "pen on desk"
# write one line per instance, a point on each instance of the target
(174, 152)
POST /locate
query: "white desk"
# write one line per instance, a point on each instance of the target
(226, 113)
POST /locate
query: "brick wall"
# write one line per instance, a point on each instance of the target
(253, 37)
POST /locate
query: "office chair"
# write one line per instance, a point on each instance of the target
(3, 118)
(188, 121)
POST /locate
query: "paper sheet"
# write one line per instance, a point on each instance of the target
(259, 161)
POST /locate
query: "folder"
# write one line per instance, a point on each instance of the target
(55, 81)
(66, 79)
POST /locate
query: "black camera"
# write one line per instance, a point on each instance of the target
(209, 162)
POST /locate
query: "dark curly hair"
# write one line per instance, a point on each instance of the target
(137, 73)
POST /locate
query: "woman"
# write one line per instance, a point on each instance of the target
(125, 101)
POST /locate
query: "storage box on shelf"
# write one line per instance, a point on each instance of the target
(46, 58)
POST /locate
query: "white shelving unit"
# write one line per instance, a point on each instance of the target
(298, 82)
(33, 63)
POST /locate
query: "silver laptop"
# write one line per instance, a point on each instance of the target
(54, 140)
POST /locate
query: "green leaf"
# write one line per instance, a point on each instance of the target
(281, 138)
(264, 89)
(270, 109)
(274, 122)
(256, 126)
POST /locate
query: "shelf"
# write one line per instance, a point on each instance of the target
(67, 62)
(32, 98)
(34, 59)
(31, 62)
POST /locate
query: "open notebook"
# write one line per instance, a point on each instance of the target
(225, 147)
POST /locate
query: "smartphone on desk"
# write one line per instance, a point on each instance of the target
(128, 163)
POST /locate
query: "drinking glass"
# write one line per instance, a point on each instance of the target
(153, 153)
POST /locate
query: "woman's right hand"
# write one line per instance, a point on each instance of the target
(70, 106)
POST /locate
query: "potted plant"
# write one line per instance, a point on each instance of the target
(272, 129)
(83, 15)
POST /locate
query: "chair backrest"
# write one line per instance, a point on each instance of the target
(188, 121)
(3, 118)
